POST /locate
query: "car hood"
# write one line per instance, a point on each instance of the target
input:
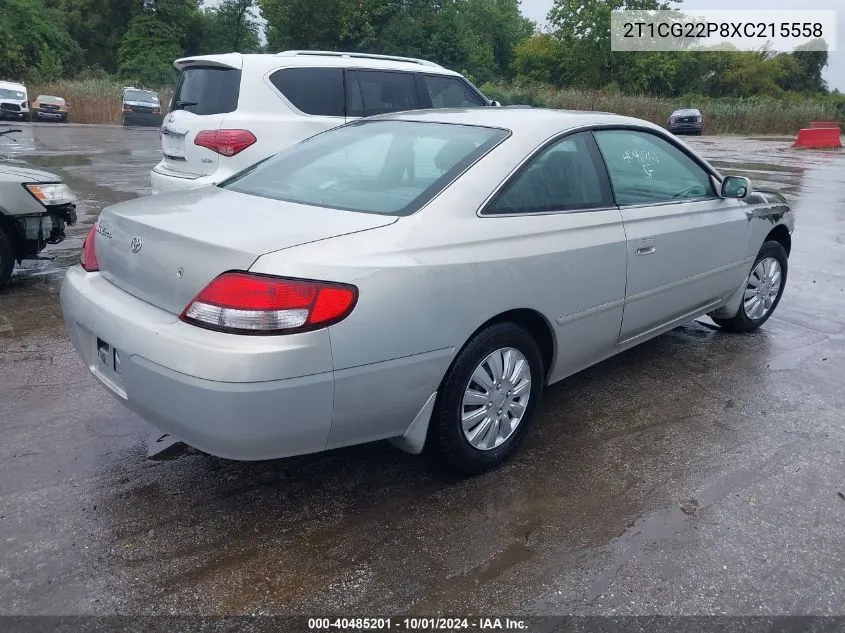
(25, 174)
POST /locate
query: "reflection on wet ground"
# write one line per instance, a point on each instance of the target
(697, 473)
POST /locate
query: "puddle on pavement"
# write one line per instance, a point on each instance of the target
(57, 160)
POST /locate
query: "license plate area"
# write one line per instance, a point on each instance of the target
(107, 366)
(173, 144)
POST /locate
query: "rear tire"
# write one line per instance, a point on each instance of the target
(7, 258)
(462, 406)
(751, 315)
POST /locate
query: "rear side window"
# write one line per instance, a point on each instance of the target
(387, 91)
(565, 177)
(316, 91)
(450, 92)
(384, 167)
(207, 90)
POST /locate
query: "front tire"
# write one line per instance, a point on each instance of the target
(487, 400)
(7, 258)
(762, 290)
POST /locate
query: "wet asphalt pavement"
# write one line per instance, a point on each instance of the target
(700, 473)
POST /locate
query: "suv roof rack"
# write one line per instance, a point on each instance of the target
(392, 58)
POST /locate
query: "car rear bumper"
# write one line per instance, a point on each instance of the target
(238, 397)
(164, 180)
(143, 118)
(681, 128)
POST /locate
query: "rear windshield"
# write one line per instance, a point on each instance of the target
(46, 99)
(207, 90)
(140, 95)
(385, 167)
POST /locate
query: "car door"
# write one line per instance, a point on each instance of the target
(558, 209)
(685, 244)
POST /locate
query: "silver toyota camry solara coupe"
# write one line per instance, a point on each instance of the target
(416, 276)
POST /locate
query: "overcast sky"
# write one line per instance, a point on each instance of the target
(834, 74)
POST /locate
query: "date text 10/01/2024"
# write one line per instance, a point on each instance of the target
(417, 624)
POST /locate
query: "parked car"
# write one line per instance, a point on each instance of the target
(35, 208)
(230, 111)
(140, 107)
(50, 108)
(14, 102)
(419, 276)
(687, 121)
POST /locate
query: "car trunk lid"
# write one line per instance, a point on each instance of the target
(208, 89)
(165, 249)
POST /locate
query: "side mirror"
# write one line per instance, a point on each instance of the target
(495, 104)
(735, 187)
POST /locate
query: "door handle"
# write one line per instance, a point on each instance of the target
(646, 250)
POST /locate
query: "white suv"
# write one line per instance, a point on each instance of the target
(230, 111)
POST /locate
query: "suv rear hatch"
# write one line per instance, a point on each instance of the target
(207, 90)
(165, 250)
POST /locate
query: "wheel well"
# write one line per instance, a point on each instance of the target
(535, 324)
(7, 225)
(781, 234)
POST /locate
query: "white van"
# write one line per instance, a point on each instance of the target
(230, 111)
(14, 101)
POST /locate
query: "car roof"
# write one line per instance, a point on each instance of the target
(310, 59)
(12, 84)
(519, 120)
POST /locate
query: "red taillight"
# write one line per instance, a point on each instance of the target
(225, 142)
(88, 258)
(247, 303)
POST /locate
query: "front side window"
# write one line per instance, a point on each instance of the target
(385, 167)
(387, 91)
(564, 177)
(450, 92)
(317, 91)
(646, 169)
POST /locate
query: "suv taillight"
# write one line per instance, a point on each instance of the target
(88, 258)
(225, 142)
(248, 303)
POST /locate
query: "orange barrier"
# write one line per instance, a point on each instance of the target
(818, 138)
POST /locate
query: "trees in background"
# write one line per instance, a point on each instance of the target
(577, 53)
(485, 39)
(231, 26)
(35, 42)
(474, 36)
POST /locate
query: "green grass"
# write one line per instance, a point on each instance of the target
(98, 101)
(91, 100)
(754, 115)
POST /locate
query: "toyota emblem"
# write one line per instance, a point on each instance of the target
(135, 245)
